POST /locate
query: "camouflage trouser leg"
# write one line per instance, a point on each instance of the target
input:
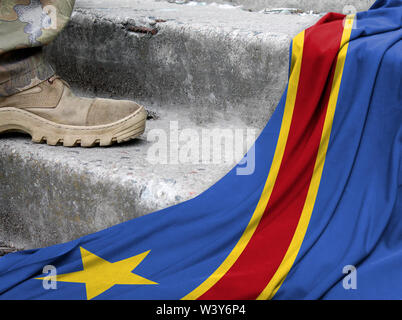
(26, 26)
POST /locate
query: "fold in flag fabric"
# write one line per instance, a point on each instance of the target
(320, 218)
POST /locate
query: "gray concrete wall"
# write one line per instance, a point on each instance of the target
(305, 5)
(232, 61)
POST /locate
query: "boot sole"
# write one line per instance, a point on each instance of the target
(42, 130)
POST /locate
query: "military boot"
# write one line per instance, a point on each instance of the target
(51, 113)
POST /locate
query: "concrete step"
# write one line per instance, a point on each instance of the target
(319, 6)
(6, 249)
(198, 68)
(50, 195)
(209, 58)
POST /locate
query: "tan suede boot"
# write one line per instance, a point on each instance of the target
(51, 112)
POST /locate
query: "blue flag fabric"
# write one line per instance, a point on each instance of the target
(320, 218)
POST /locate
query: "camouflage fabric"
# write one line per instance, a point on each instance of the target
(25, 27)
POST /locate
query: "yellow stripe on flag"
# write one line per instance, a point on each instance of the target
(297, 53)
(287, 262)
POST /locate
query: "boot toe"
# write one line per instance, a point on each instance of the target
(105, 111)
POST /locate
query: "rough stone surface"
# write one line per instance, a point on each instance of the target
(50, 195)
(6, 249)
(206, 57)
(341, 6)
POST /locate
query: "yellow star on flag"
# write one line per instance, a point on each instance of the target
(100, 275)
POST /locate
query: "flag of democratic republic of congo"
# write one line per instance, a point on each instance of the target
(325, 196)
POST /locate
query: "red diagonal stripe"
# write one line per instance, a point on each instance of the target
(262, 256)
